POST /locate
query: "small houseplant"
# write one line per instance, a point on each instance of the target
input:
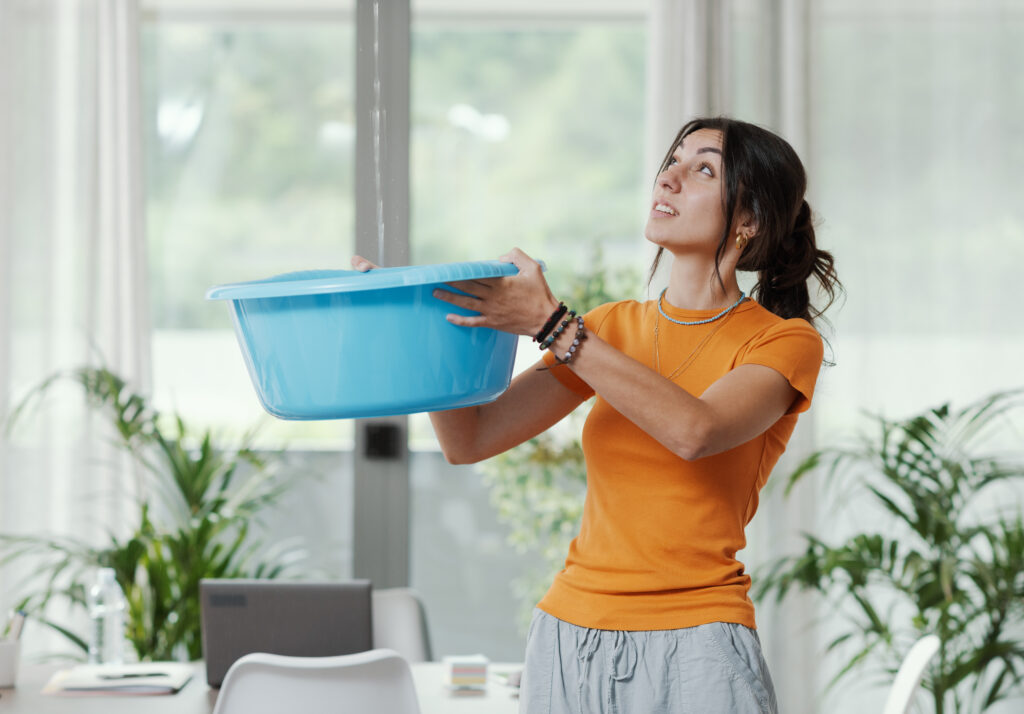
(939, 560)
(196, 521)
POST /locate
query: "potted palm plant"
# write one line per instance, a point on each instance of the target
(196, 521)
(945, 555)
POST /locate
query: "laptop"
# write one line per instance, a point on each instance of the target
(303, 619)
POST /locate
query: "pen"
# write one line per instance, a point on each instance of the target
(17, 622)
(129, 675)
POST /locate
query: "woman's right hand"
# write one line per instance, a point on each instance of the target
(362, 264)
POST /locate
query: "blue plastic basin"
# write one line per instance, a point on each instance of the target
(335, 344)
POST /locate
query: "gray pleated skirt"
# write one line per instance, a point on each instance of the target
(717, 667)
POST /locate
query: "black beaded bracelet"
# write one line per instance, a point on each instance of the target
(558, 331)
(577, 340)
(552, 321)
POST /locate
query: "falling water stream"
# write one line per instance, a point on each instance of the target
(378, 120)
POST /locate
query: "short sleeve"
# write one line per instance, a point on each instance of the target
(793, 349)
(594, 321)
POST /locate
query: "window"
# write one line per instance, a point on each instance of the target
(250, 135)
(250, 147)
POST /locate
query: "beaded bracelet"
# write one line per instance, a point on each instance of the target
(555, 317)
(577, 339)
(558, 331)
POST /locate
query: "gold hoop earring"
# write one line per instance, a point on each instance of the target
(741, 241)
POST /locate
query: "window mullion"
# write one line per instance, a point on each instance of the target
(381, 484)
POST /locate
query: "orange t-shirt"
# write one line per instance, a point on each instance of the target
(657, 546)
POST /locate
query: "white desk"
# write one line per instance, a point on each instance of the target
(197, 698)
(435, 699)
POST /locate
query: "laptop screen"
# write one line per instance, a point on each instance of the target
(301, 619)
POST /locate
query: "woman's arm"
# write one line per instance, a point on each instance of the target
(534, 402)
(739, 406)
(736, 408)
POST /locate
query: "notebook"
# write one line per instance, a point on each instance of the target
(139, 678)
(303, 619)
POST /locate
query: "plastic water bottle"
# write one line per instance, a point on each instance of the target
(106, 610)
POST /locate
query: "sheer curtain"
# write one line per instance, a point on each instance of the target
(72, 288)
(907, 117)
(915, 147)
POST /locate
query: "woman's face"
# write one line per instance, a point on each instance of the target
(687, 214)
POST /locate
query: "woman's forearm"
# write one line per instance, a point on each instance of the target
(672, 416)
(456, 433)
(533, 402)
(739, 406)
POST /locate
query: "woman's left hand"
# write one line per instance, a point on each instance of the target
(520, 304)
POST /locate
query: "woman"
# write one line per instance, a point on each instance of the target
(697, 393)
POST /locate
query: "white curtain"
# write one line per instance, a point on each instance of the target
(907, 117)
(72, 256)
(687, 69)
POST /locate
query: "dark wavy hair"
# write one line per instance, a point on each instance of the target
(764, 176)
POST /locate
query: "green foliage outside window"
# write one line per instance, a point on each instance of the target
(569, 169)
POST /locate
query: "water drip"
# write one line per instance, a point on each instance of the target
(378, 120)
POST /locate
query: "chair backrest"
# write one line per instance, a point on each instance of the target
(374, 681)
(909, 675)
(400, 623)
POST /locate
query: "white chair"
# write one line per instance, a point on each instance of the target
(400, 623)
(373, 681)
(909, 675)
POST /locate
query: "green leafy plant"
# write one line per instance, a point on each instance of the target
(196, 521)
(937, 561)
(538, 488)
